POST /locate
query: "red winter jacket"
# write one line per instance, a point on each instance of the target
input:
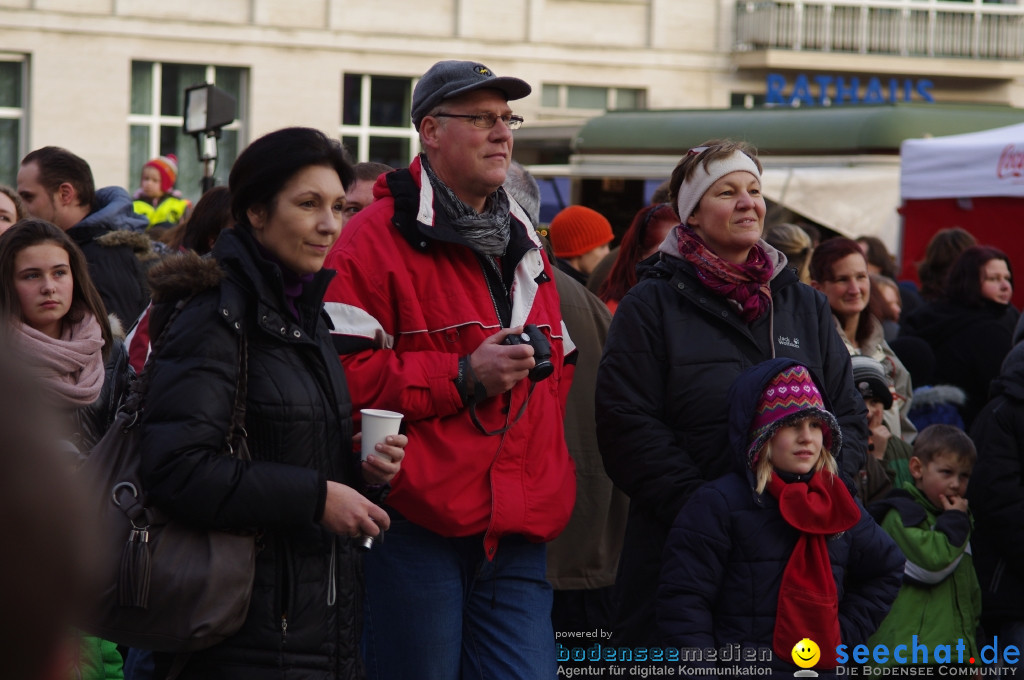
(409, 299)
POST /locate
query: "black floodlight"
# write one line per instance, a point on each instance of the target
(208, 109)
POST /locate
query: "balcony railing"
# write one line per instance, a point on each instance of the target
(907, 28)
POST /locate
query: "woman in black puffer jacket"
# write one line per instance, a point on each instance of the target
(718, 301)
(304, 490)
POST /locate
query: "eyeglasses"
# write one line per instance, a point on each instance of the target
(486, 120)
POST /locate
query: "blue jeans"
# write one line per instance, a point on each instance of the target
(139, 665)
(436, 609)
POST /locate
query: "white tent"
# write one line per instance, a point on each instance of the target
(854, 200)
(974, 181)
(986, 163)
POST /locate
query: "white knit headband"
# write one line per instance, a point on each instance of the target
(691, 190)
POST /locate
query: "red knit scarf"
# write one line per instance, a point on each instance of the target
(808, 601)
(745, 285)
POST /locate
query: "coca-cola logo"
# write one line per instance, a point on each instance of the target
(1011, 162)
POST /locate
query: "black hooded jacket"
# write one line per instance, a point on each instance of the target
(304, 620)
(996, 495)
(673, 350)
(117, 254)
(969, 343)
(727, 551)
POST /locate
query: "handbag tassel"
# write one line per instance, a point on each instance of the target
(133, 581)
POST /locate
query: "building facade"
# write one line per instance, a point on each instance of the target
(105, 78)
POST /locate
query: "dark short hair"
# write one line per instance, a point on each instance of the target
(369, 171)
(963, 283)
(266, 165)
(937, 439)
(940, 253)
(57, 166)
(85, 298)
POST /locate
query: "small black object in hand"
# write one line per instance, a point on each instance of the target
(535, 337)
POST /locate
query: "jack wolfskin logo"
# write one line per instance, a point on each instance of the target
(482, 70)
(783, 340)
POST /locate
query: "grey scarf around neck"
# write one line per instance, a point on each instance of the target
(487, 232)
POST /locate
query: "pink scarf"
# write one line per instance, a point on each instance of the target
(745, 285)
(71, 367)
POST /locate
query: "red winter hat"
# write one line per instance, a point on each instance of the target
(167, 166)
(578, 230)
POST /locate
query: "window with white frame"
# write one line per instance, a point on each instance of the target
(584, 99)
(157, 115)
(12, 115)
(375, 121)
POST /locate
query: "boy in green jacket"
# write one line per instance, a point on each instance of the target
(940, 600)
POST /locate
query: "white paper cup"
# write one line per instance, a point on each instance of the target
(378, 424)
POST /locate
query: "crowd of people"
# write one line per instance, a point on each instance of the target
(718, 434)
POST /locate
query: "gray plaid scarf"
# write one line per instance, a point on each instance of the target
(487, 232)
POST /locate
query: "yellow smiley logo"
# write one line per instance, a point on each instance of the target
(806, 653)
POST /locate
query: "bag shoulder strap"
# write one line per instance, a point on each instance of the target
(237, 433)
(141, 386)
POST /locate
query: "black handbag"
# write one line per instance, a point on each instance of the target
(163, 585)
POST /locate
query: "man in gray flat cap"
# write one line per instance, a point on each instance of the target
(433, 278)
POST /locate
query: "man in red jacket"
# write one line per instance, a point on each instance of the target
(433, 278)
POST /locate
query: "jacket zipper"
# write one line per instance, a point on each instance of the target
(484, 262)
(282, 589)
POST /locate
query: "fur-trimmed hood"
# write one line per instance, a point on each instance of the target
(933, 395)
(182, 275)
(140, 244)
(116, 327)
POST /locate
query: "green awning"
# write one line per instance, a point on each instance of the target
(863, 129)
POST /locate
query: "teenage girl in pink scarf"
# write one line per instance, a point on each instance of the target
(57, 325)
(56, 318)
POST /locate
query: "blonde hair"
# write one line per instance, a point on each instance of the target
(795, 243)
(764, 468)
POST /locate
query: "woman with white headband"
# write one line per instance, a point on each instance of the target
(718, 301)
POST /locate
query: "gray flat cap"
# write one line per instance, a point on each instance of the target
(447, 79)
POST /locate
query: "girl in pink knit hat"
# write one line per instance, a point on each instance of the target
(778, 552)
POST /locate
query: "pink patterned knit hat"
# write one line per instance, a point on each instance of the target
(787, 398)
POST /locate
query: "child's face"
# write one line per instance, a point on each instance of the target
(876, 411)
(796, 448)
(150, 184)
(945, 475)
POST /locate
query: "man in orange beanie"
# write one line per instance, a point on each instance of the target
(580, 238)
